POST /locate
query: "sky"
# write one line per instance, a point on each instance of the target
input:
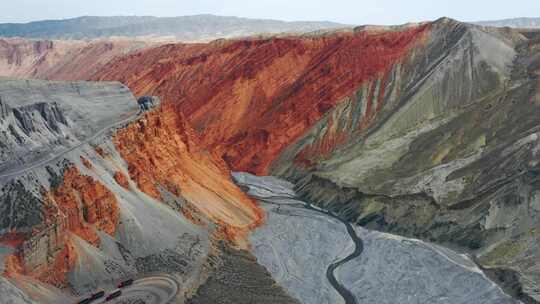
(345, 11)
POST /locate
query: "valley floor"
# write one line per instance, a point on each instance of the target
(297, 245)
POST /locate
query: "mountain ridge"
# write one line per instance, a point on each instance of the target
(188, 28)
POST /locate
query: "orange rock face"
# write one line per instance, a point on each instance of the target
(163, 152)
(249, 99)
(85, 202)
(86, 162)
(12, 265)
(121, 179)
(79, 205)
(54, 273)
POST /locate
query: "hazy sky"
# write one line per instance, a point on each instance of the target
(345, 11)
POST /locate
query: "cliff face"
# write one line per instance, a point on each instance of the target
(164, 157)
(85, 204)
(97, 193)
(79, 205)
(44, 207)
(250, 99)
(60, 60)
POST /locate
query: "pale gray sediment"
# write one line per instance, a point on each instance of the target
(298, 245)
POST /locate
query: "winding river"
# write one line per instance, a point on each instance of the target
(308, 251)
(358, 248)
(345, 293)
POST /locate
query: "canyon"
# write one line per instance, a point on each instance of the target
(367, 164)
(433, 138)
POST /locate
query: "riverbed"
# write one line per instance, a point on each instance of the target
(318, 258)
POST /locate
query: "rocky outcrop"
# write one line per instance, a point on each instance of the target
(39, 119)
(121, 179)
(102, 196)
(164, 157)
(44, 197)
(86, 205)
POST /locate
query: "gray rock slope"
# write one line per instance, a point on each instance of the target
(452, 156)
(42, 119)
(297, 245)
(48, 126)
(11, 294)
(238, 278)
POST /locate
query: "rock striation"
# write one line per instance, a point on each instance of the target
(165, 159)
(250, 99)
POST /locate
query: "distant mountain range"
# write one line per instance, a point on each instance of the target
(197, 27)
(513, 22)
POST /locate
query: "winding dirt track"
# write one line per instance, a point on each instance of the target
(159, 289)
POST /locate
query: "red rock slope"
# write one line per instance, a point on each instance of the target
(161, 150)
(60, 60)
(249, 99)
